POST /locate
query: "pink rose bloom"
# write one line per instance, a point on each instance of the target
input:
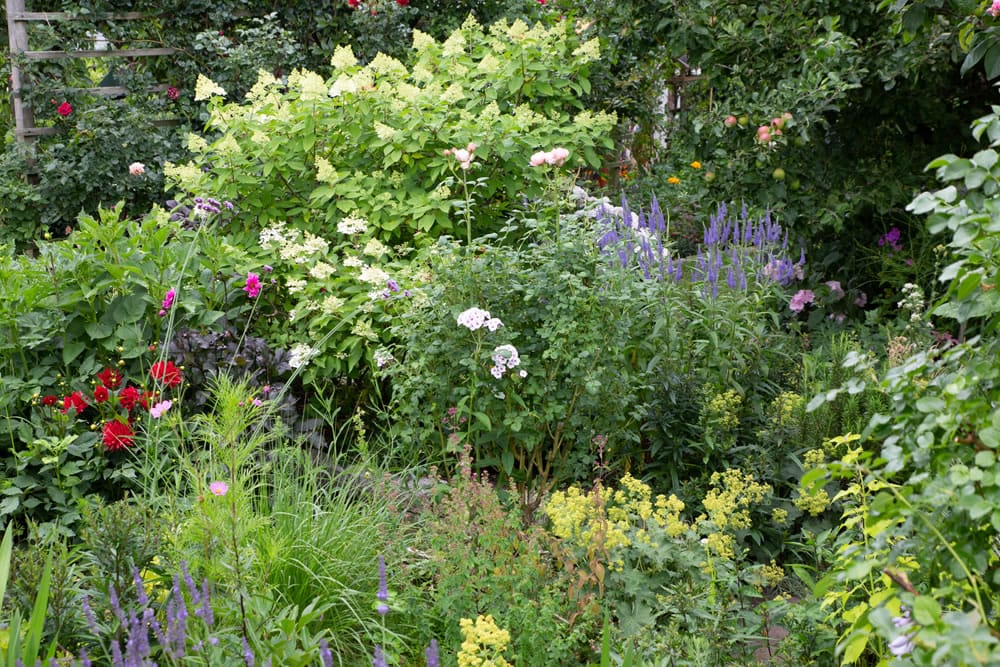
(252, 287)
(801, 299)
(994, 9)
(137, 169)
(558, 156)
(538, 159)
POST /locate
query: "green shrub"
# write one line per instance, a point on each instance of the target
(370, 140)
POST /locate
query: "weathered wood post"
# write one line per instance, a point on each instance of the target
(17, 31)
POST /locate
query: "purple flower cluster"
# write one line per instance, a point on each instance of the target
(637, 238)
(891, 239)
(734, 247)
(206, 205)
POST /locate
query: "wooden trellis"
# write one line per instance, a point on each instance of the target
(17, 29)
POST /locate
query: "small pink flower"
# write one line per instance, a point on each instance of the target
(862, 298)
(836, 291)
(137, 169)
(538, 159)
(252, 287)
(160, 409)
(994, 9)
(801, 299)
(218, 488)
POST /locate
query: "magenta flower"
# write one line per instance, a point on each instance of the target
(168, 301)
(252, 287)
(218, 488)
(994, 9)
(801, 299)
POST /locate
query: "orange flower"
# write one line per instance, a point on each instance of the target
(673, 180)
(696, 165)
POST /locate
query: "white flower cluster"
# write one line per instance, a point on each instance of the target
(301, 354)
(373, 275)
(352, 225)
(474, 319)
(505, 357)
(205, 88)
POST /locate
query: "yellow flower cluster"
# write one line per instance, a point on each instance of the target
(728, 502)
(784, 406)
(722, 410)
(772, 574)
(607, 520)
(813, 458)
(814, 503)
(484, 643)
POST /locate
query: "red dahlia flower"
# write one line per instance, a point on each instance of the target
(166, 372)
(110, 378)
(117, 435)
(100, 393)
(49, 400)
(74, 401)
(128, 397)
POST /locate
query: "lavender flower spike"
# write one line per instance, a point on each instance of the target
(383, 586)
(379, 659)
(325, 653)
(431, 654)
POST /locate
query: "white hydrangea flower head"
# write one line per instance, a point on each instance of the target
(352, 225)
(343, 57)
(205, 88)
(300, 355)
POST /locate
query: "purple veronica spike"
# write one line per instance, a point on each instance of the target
(247, 653)
(431, 654)
(383, 586)
(116, 607)
(88, 614)
(325, 653)
(379, 659)
(116, 654)
(140, 588)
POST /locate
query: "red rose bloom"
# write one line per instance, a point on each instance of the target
(49, 400)
(128, 397)
(64, 109)
(117, 435)
(353, 3)
(110, 378)
(100, 393)
(402, 3)
(74, 402)
(166, 372)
